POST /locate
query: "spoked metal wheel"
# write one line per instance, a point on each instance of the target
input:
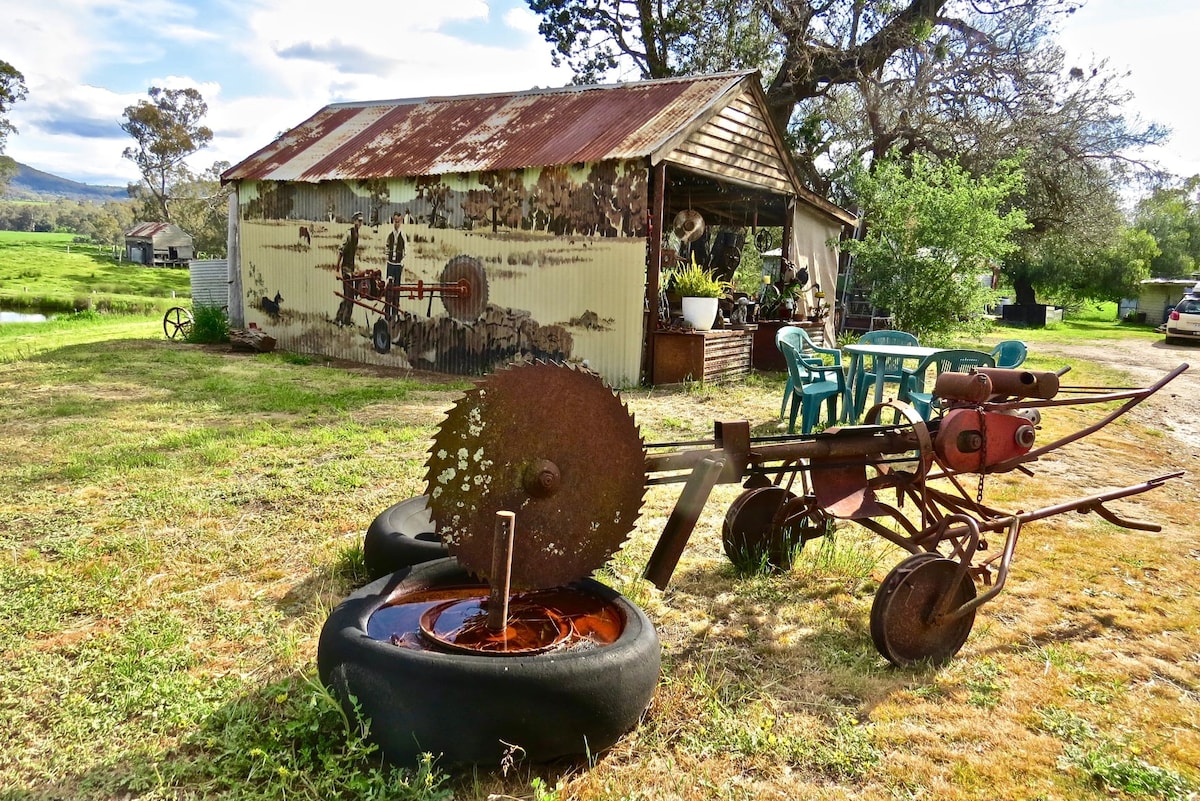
(913, 617)
(177, 323)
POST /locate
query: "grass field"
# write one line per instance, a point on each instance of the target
(50, 273)
(179, 520)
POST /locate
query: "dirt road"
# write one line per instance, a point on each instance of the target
(1176, 408)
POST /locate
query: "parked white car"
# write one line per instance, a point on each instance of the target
(1184, 321)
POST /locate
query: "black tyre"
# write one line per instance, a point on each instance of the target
(381, 336)
(469, 708)
(401, 536)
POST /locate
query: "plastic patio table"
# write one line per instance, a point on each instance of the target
(858, 352)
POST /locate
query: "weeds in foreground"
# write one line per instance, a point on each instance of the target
(1114, 765)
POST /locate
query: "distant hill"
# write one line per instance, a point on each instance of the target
(31, 184)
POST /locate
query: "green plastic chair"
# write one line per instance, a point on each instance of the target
(812, 385)
(1010, 353)
(947, 361)
(810, 352)
(870, 367)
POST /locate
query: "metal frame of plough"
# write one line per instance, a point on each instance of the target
(924, 609)
(374, 294)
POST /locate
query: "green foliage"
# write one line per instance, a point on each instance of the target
(1172, 216)
(12, 89)
(693, 281)
(1114, 765)
(101, 224)
(210, 324)
(293, 738)
(932, 230)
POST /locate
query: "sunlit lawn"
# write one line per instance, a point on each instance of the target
(178, 521)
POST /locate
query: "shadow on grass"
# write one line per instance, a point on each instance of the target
(236, 383)
(289, 739)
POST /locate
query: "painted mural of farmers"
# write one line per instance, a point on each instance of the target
(345, 265)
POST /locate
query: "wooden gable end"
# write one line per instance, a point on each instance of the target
(736, 144)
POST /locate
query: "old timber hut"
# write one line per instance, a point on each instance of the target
(161, 244)
(532, 224)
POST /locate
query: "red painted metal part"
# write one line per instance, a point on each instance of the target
(970, 440)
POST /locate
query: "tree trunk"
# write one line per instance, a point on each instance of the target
(1024, 291)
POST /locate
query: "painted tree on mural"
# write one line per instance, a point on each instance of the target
(431, 189)
(630, 196)
(274, 202)
(378, 195)
(477, 207)
(551, 201)
(508, 196)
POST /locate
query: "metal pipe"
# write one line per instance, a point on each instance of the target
(501, 580)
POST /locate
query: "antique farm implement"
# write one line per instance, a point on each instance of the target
(536, 478)
(916, 483)
(796, 487)
(462, 286)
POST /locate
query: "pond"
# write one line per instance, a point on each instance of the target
(21, 317)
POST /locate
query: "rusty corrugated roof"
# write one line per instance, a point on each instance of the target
(480, 133)
(148, 230)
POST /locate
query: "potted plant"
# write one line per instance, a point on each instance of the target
(700, 291)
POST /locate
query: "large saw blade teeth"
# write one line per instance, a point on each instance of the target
(554, 445)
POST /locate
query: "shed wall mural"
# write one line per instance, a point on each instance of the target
(456, 273)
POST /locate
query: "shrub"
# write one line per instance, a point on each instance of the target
(210, 324)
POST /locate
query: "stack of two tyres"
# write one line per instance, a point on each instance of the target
(472, 708)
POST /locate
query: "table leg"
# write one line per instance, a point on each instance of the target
(854, 379)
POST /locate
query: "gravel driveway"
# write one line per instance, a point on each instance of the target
(1176, 408)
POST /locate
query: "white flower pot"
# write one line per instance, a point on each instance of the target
(700, 312)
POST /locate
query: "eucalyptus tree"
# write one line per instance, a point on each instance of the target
(822, 59)
(12, 90)
(1171, 214)
(966, 81)
(167, 128)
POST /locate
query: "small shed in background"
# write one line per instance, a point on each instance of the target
(554, 204)
(160, 244)
(1157, 296)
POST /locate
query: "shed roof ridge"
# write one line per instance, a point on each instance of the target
(733, 75)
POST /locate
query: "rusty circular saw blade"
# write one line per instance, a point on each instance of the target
(524, 416)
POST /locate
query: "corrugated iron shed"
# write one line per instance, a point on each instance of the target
(482, 133)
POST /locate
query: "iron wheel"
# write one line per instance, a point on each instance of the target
(177, 323)
(900, 624)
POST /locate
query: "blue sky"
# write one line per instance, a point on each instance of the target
(266, 65)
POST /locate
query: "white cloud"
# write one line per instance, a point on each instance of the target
(84, 61)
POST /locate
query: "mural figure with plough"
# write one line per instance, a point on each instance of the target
(462, 287)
